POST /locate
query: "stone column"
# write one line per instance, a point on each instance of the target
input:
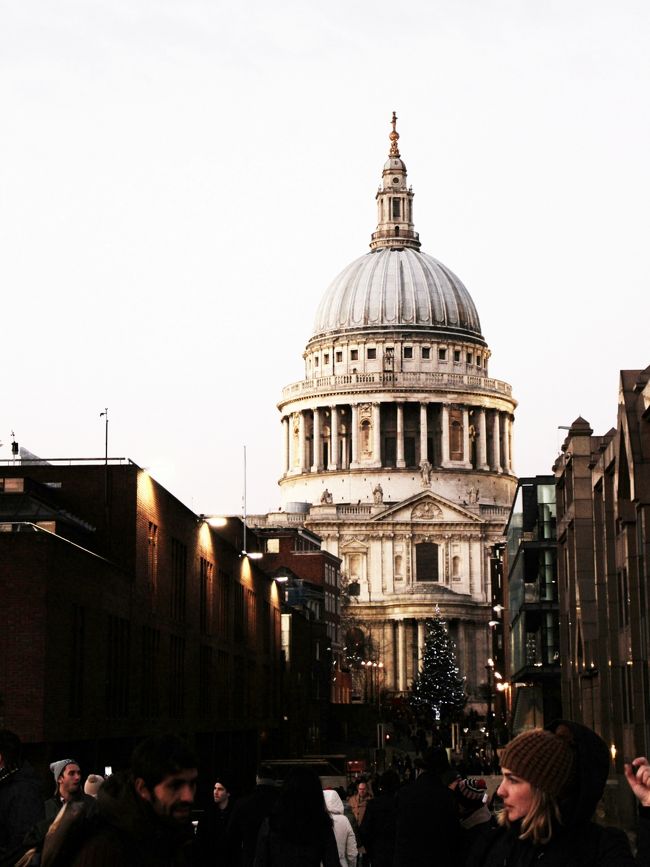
(354, 433)
(421, 638)
(467, 454)
(445, 435)
(301, 442)
(508, 442)
(496, 443)
(401, 656)
(286, 427)
(423, 432)
(400, 435)
(482, 441)
(318, 454)
(334, 439)
(376, 434)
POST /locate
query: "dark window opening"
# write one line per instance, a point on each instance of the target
(426, 561)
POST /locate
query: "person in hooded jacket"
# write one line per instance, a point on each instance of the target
(346, 841)
(553, 779)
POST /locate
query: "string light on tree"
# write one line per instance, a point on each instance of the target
(438, 689)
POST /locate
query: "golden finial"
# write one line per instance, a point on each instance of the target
(394, 150)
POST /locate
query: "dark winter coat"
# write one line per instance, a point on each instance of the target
(428, 832)
(578, 842)
(246, 820)
(275, 850)
(21, 807)
(377, 831)
(211, 836)
(120, 829)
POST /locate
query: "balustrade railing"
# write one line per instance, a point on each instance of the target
(409, 379)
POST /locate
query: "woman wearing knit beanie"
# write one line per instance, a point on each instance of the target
(553, 779)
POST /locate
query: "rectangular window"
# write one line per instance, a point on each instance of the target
(354, 355)
(206, 690)
(408, 352)
(371, 353)
(426, 352)
(442, 354)
(396, 209)
(426, 561)
(224, 594)
(205, 582)
(339, 356)
(150, 667)
(326, 358)
(118, 667)
(77, 660)
(176, 676)
(179, 581)
(478, 359)
(456, 354)
(152, 556)
(469, 357)
(315, 362)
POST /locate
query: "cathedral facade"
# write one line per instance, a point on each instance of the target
(398, 445)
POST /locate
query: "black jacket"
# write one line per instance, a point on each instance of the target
(21, 806)
(428, 831)
(246, 820)
(377, 831)
(578, 841)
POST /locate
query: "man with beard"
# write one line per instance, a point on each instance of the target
(142, 818)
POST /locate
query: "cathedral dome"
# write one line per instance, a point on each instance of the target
(394, 288)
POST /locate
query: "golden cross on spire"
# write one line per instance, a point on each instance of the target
(394, 136)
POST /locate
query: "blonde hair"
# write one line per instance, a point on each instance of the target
(537, 824)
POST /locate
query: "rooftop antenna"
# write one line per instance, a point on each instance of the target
(255, 555)
(105, 414)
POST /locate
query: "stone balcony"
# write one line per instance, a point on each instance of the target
(404, 381)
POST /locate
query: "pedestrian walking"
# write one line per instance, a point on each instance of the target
(21, 799)
(552, 782)
(346, 841)
(299, 833)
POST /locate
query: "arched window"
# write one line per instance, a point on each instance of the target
(398, 565)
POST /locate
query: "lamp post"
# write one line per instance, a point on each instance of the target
(489, 668)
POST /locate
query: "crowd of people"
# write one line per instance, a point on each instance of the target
(552, 782)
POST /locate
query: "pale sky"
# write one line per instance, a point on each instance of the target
(181, 180)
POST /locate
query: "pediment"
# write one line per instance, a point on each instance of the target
(354, 546)
(427, 507)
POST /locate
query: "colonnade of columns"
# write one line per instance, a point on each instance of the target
(401, 644)
(336, 438)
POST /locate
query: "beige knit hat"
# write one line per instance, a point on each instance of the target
(540, 758)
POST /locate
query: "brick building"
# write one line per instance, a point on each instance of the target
(126, 614)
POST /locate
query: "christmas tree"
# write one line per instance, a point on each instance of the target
(437, 690)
